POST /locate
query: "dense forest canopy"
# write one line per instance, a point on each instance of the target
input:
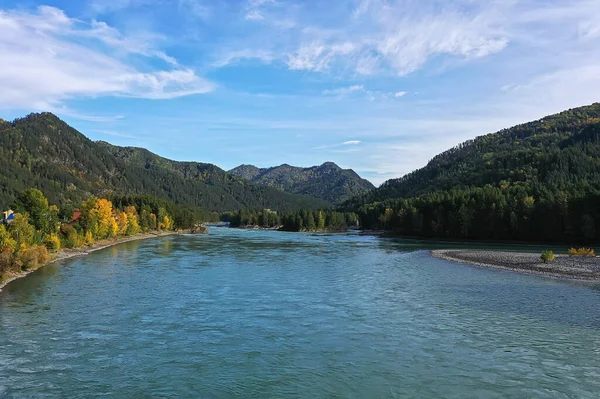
(44, 152)
(303, 220)
(539, 181)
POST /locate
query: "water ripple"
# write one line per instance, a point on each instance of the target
(259, 314)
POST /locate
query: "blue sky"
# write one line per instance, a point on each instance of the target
(380, 86)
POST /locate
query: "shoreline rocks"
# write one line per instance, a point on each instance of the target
(564, 266)
(199, 229)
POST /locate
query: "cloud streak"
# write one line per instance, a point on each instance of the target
(49, 58)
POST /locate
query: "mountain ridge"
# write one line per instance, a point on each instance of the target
(489, 158)
(42, 151)
(327, 181)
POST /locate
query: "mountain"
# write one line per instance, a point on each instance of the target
(328, 181)
(539, 181)
(558, 152)
(44, 152)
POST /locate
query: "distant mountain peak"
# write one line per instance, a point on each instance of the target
(327, 181)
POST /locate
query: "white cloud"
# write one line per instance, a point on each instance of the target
(90, 118)
(253, 10)
(399, 37)
(198, 8)
(336, 147)
(344, 90)
(234, 56)
(254, 15)
(48, 58)
(115, 134)
(318, 56)
(371, 95)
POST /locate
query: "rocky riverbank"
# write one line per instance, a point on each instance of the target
(564, 266)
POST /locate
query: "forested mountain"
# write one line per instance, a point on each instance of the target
(44, 152)
(537, 181)
(328, 181)
(558, 152)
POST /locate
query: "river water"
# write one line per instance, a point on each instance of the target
(260, 314)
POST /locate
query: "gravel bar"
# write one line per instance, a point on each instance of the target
(564, 266)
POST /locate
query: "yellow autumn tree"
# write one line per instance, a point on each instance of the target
(106, 223)
(121, 219)
(97, 215)
(89, 238)
(113, 228)
(166, 223)
(133, 220)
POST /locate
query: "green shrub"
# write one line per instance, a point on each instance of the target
(547, 256)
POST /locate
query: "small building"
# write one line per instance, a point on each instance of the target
(9, 216)
(76, 216)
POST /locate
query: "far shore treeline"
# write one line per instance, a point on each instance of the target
(304, 220)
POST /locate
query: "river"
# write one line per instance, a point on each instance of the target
(258, 314)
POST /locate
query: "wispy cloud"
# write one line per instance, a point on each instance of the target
(344, 90)
(371, 95)
(254, 9)
(388, 36)
(115, 134)
(225, 58)
(339, 146)
(84, 117)
(48, 57)
(198, 8)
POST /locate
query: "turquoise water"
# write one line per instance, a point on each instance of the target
(260, 314)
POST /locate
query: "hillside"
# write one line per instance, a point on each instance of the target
(558, 152)
(44, 152)
(536, 181)
(328, 181)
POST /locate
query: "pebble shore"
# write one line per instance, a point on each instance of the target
(564, 266)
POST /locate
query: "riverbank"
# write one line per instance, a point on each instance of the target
(564, 266)
(64, 254)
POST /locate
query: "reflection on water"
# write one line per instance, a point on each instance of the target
(248, 313)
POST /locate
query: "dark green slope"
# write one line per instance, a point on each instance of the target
(539, 181)
(557, 153)
(328, 181)
(44, 152)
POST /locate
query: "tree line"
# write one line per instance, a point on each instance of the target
(303, 220)
(490, 213)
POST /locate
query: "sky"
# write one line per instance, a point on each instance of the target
(379, 86)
